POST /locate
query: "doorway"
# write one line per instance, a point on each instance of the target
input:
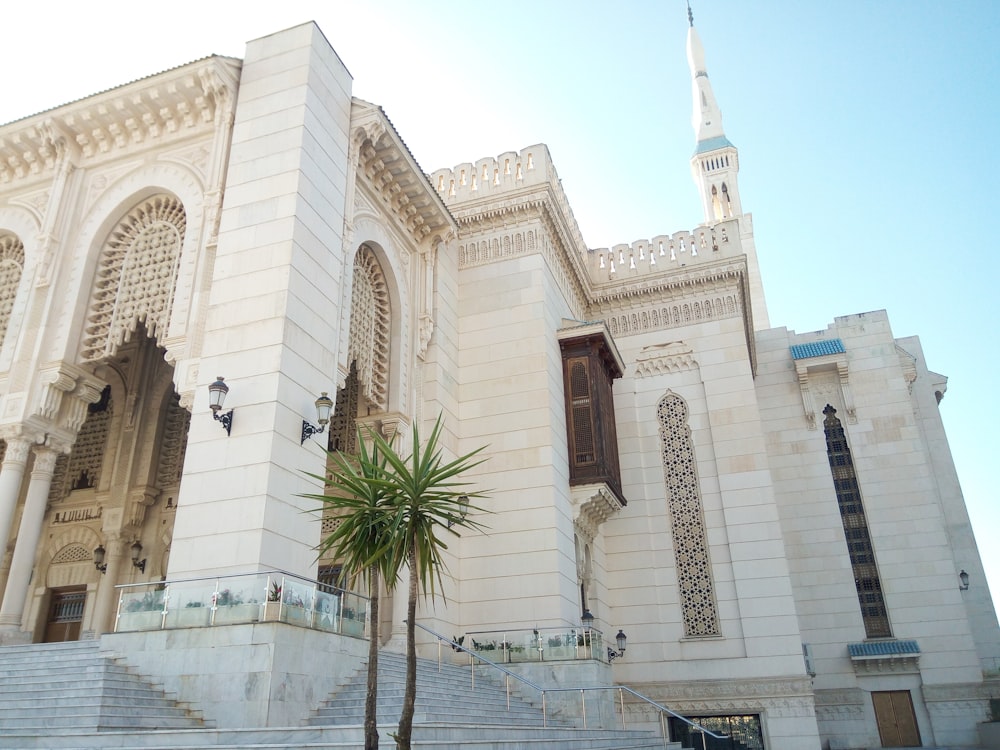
(65, 614)
(897, 723)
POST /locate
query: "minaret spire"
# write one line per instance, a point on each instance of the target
(715, 165)
(706, 117)
(715, 161)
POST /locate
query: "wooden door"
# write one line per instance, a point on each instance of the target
(65, 615)
(897, 724)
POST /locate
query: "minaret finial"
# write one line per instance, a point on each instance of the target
(690, 15)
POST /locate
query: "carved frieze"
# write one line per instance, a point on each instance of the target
(659, 359)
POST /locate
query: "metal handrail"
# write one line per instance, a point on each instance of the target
(473, 655)
(226, 575)
(582, 690)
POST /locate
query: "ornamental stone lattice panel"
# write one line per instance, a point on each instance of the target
(368, 346)
(72, 553)
(687, 520)
(82, 467)
(173, 444)
(135, 276)
(11, 266)
(343, 424)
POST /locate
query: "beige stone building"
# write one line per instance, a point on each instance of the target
(772, 517)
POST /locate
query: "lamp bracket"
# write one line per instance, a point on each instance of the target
(308, 430)
(226, 419)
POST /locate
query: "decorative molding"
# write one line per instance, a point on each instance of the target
(160, 108)
(659, 359)
(777, 687)
(45, 458)
(811, 372)
(99, 181)
(594, 504)
(524, 225)
(728, 274)
(908, 364)
(197, 158)
(389, 169)
(35, 202)
(662, 316)
(139, 498)
(393, 425)
(16, 450)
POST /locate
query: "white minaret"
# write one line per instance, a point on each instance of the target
(715, 165)
(715, 162)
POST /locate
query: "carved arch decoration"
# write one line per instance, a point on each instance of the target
(136, 277)
(370, 340)
(69, 558)
(11, 269)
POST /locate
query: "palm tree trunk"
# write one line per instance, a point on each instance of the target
(371, 696)
(405, 729)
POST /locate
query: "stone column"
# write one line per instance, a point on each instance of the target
(27, 539)
(11, 474)
(106, 602)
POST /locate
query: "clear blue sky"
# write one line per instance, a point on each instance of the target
(867, 135)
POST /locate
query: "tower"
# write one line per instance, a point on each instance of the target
(715, 162)
(715, 165)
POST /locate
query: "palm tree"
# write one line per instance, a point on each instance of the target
(359, 542)
(425, 500)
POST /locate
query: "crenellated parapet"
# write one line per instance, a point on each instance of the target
(664, 254)
(493, 176)
(512, 205)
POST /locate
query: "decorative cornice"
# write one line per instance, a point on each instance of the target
(166, 106)
(386, 164)
(686, 281)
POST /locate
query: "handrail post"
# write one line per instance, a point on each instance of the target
(663, 729)
(544, 714)
(439, 654)
(506, 682)
(621, 701)
(583, 706)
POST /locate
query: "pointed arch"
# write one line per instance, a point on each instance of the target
(11, 269)
(136, 276)
(370, 328)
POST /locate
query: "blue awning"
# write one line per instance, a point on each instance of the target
(817, 348)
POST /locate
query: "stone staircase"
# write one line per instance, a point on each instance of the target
(64, 688)
(70, 696)
(445, 695)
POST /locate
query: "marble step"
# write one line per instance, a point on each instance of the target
(428, 737)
